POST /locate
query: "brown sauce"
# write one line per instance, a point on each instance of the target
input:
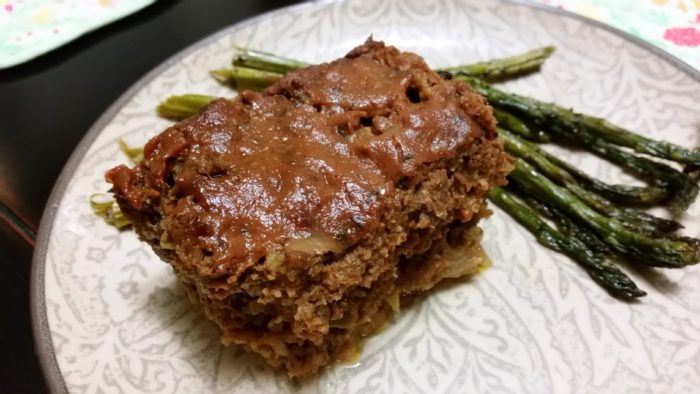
(319, 152)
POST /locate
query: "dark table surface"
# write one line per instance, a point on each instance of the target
(46, 106)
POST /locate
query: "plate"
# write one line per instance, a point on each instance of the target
(110, 317)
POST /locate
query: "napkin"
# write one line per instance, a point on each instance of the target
(29, 28)
(672, 25)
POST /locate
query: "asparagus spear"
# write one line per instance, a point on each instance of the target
(569, 125)
(260, 60)
(490, 70)
(685, 186)
(255, 70)
(563, 119)
(600, 269)
(631, 218)
(244, 78)
(583, 233)
(632, 195)
(499, 69)
(104, 206)
(511, 122)
(565, 224)
(183, 106)
(135, 154)
(649, 250)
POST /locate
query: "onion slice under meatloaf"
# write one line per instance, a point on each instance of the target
(299, 216)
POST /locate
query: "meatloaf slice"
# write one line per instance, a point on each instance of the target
(298, 217)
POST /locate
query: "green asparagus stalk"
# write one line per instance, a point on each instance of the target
(565, 224)
(260, 60)
(104, 206)
(649, 250)
(542, 159)
(490, 70)
(134, 154)
(631, 218)
(627, 194)
(631, 195)
(183, 106)
(562, 119)
(600, 269)
(639, 143)
(510, 122)
(567, 124)
(255, 70)
(583, 233)
(244, 78)
(509, 67)
(686, 187)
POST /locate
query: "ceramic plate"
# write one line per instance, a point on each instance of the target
(110, 317)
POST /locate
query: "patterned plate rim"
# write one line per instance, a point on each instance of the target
(43, 342)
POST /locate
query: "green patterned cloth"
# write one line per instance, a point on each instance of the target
(29, 28)
(672, 25)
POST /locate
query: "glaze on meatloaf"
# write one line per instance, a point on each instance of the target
(299, 216)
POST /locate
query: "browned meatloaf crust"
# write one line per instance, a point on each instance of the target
(297, 217)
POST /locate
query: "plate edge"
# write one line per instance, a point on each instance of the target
(43, 344)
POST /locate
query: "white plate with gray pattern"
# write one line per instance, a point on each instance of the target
(110, 317)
